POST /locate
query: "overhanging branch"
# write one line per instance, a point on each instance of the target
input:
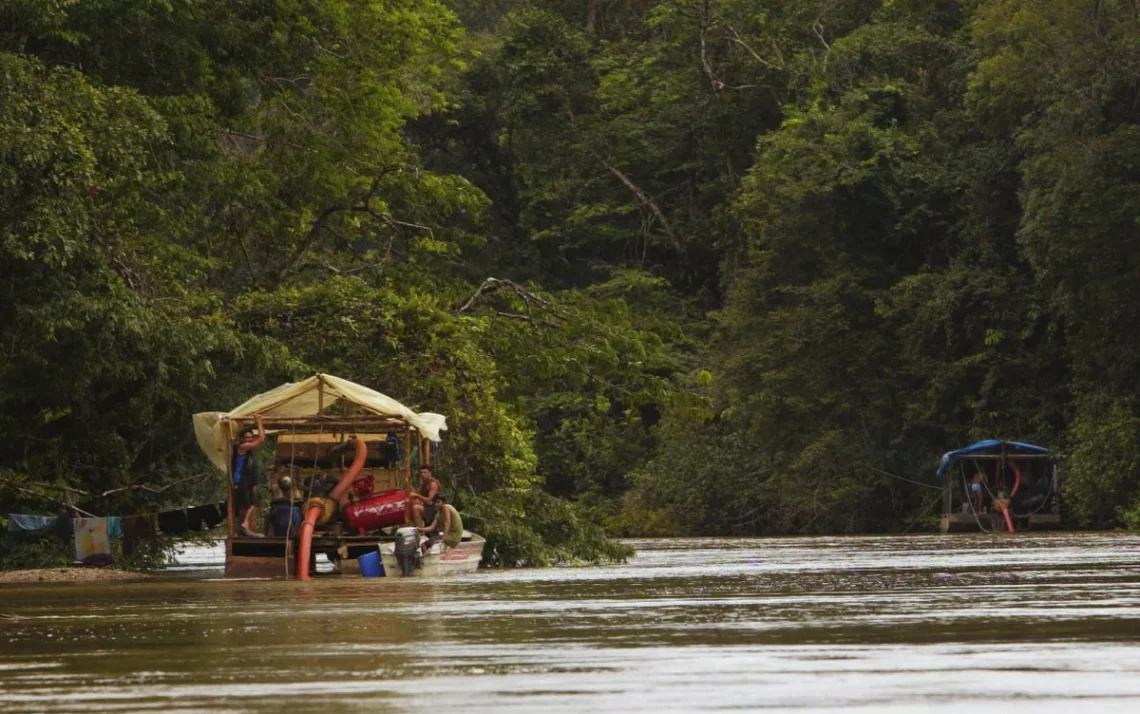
(531, 299)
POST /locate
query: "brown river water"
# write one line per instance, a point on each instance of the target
(1024, 623)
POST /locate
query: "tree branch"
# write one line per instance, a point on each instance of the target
(717, 85)
(44, 497)
(646, 200)
(142, 487)
(755, 55)
(364, 206)
(525, 318)
(491, 284)
(817, 29)
(314, 232)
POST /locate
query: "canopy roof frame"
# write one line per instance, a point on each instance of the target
(994, 449)
(301, 404)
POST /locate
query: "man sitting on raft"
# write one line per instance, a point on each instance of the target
(447, 525)
(422, 508)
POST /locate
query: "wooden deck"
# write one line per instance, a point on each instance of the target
(266, 557)
(967, 523)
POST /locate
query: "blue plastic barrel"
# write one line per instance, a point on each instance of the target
(370, 565)
(281, 516)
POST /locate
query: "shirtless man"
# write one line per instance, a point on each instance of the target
(422, 509)
(245, 475)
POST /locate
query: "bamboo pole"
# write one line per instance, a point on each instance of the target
(407, 472)
(325, 423)
(408, 453)
(947, 496)
(230, 478)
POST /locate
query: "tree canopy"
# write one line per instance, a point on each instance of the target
(677, 266)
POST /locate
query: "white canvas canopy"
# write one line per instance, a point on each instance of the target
(301, 399)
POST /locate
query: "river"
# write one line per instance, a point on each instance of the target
(1028, 623)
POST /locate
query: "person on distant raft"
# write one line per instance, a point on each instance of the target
(423, 510)
(245, 476)
(976, 491)
(446, 526)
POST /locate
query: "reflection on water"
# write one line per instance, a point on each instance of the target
(988, 623)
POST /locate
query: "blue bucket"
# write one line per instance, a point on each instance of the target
(370, 565)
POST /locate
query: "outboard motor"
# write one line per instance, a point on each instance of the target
(408, 549)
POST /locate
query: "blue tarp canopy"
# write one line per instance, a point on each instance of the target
(990, 446)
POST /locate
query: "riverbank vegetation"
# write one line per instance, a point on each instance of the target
(669, 267)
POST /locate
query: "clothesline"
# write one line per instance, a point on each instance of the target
(178, 520)
(92, 535)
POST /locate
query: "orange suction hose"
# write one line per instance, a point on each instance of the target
(306, 542)
(1006, 505)
(314, 513)
(345, 482)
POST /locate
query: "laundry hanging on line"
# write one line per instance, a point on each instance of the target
(91, 537)
(28, 525)
(21, 525)
(178, 521)
(216, 514)
(173, 522)
(138, 529)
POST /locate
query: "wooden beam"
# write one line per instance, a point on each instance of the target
(315, 424)
(316, 420)
(407, 470)
(995, 457)
(408, 453)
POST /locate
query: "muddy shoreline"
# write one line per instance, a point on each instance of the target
(69, 575)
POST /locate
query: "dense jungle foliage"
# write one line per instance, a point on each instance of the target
(668, 266)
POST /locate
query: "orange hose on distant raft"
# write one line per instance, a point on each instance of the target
(1008, 520)
(314, 513)
(1006, 508)
(1016, 480)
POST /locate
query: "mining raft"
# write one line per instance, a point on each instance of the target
(999, 486)
(341, 469)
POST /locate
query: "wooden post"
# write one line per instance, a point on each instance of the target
(320, 394)
(408, 453)
(229, 478)
(408, 472)
(947, 494)
(425, 452)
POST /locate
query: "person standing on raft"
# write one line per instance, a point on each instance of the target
(245, 476)
(423, 511)
(447, 525)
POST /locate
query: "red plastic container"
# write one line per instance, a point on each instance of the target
(382, 510)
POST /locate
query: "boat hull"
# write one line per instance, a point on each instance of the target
(439, 562)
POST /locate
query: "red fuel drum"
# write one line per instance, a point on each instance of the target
(382, 510)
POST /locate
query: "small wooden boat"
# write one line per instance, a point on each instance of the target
(439, 561)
